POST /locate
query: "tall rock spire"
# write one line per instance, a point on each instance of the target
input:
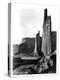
(46, 37)
(45, 14)
(35, 48)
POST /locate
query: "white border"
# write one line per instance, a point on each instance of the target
(49, 74)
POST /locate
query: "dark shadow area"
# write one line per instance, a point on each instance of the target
(27, 48)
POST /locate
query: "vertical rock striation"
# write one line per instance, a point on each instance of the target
(46, 37)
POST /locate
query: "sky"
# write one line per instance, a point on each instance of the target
(27, 20)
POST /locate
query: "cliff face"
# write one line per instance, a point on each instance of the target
(46, 38)
(45, 46)
(28, 46)
(53, 40)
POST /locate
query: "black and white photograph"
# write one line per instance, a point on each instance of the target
(32, 39)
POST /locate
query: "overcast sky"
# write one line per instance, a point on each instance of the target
(27, 20)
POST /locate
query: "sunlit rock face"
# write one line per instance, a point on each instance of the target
(42, 47)
(46, 37)
(36, 44)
